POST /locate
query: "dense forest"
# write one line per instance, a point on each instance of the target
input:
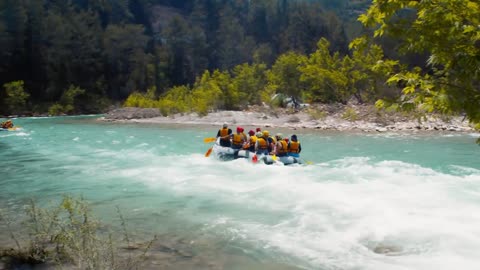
(103, 51)
(79, 56)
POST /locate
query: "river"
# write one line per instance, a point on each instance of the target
(368, 201)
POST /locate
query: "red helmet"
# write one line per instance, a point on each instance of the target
(251, 132)
(259, 129)
(239, 129)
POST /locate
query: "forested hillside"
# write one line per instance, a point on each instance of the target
(79, 55)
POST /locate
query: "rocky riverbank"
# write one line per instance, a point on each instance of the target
(365, 118)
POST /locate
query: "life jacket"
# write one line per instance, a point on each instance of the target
(262, 144)
(294, 147)
(251, 143)
(253, 139)
(238, 139)
(282, 151)
(223, 133)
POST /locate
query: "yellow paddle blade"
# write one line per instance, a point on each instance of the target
(309, 162)
(209, 151)
(274, 157)
(209, 140)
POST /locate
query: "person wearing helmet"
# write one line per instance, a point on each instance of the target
(225, 134)
(270, 141)
(281, 147)
(294, 147)
(258, 130)
(239, 139)
(251, 140)
(261, 145)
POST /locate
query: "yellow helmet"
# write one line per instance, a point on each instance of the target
(266, 133)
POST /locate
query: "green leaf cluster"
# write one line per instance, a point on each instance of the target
(448, 31)
(66, 105)
(329, 77)
(16, 96)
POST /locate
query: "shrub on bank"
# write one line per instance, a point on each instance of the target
(68, 234)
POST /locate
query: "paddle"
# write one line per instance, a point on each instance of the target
(209, 140)
(209, 151)
(274, 157)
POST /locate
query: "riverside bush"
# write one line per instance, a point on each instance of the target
(16, 96)
(317, 114)
(66, 104)
(350, 114)
(68, 234)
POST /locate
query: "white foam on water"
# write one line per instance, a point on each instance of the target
(4, 134)
(350, 213)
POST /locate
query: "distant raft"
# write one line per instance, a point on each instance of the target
(9, 129)
(228, 153)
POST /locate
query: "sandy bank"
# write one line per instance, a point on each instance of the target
(323, 118)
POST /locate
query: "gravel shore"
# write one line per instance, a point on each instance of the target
(323, 117)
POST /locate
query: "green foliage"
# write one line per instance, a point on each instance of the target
(56, 109)
(66, 104)
(126, 59)
(323, 74)
(68, 234)
(284, 76)
(448, 31)
(217, 90)
(332, 78)
(140, 100)
(350, 114)
(317, 114)
(176, 100)
(212, 92)
(249, 81)
(16, 96)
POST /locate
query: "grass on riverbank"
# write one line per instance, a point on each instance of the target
(68, 235)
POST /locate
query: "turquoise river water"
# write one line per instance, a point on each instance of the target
(369, 201)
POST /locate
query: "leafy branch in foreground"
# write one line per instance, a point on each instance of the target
(68, 234)
(449, 31)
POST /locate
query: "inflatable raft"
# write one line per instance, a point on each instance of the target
(9, 129)
(228, 153)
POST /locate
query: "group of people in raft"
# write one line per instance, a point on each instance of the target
(260, 142)
(6, 124)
